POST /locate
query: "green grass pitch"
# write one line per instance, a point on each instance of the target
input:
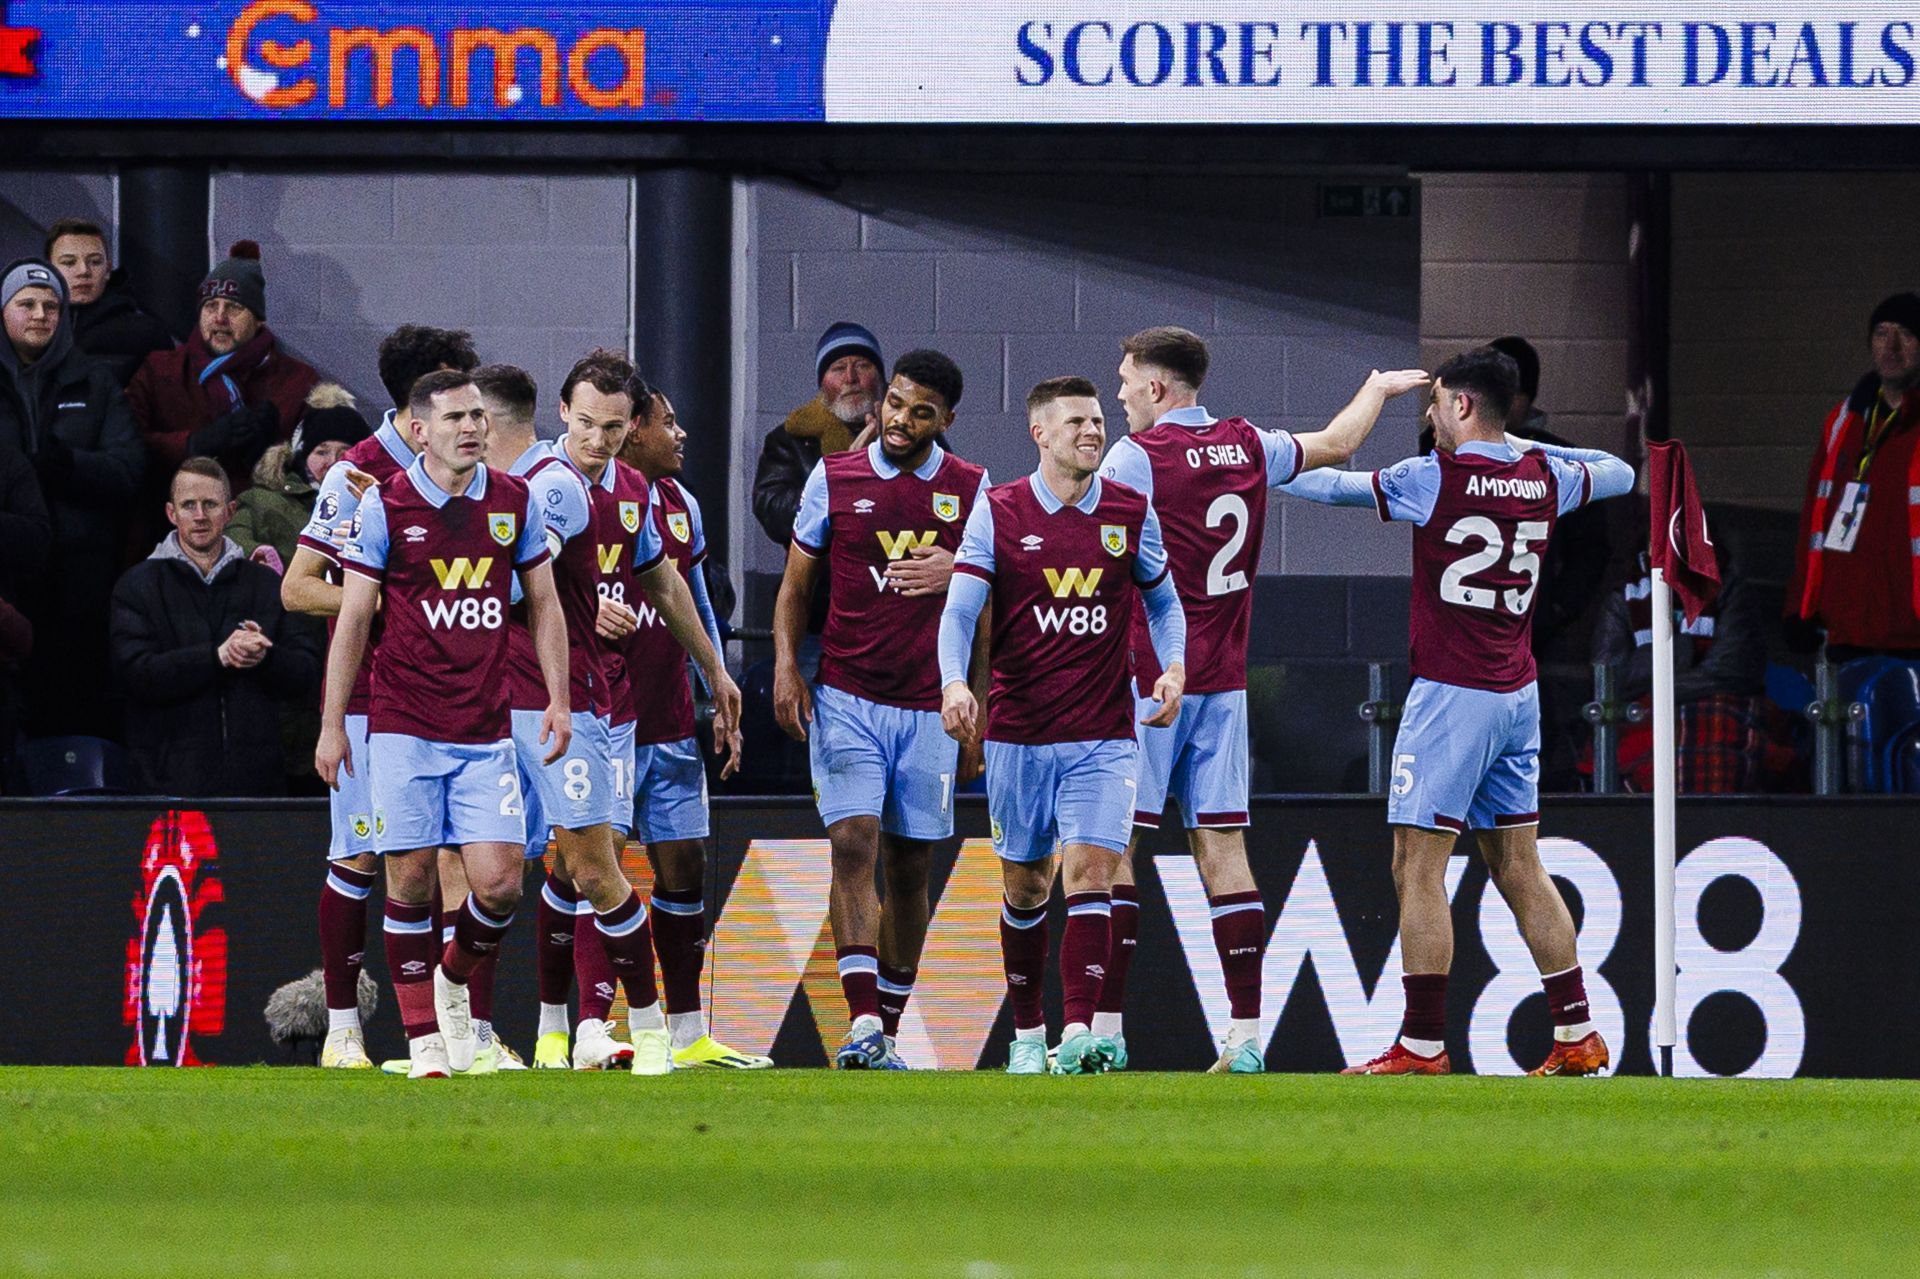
(806, 1173)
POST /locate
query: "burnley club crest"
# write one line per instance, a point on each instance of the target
(502, 525)
(630, 516)
(1114, 538)
(946, 506)
(679, 525)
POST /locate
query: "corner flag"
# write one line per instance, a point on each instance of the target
(1677, 541)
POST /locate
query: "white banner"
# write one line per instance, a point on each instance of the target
(1379, 62)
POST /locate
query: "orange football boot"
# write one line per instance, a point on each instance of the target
(1398, 1061)
(1584, 1057)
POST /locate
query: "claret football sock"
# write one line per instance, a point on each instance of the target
(1567, 1005)
(411, 947)
(559, 904)
(629, 947)
(343, 940)
(591, 969)
(476, 939)
(679, 922)
(1023, 948)
(1239, 935)
(859, 980)
(1423, 1029)
(896, 988)
(1083, 954)
(1124, 930)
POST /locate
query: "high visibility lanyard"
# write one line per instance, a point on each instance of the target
(1877, 429)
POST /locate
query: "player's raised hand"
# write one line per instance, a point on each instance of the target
(792, 703)
(959, 713)
(726, 709)
(1166, 691)
(1397, 382)
(925, 571)
(615, 621)
(332, 754)
(556, 724)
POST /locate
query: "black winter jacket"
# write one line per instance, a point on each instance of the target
(196, 728)
(115, 331)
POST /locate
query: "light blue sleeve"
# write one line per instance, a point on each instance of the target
(333, 507)
(562, 500)
(533, 538)
(1127, 462)
(1586, 475)
(367, 541)
(811, 527)
(966, 596)
(647, 548)
(699, 533)
(976, 543)
(697, 583)
(1150, 559)
(1284, 455)
(980, 494)
(1166, 622)
(1404, 491)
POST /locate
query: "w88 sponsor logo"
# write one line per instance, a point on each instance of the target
(1079, 619)
(466, 613)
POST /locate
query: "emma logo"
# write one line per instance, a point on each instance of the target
(278, 51)
(176, 964)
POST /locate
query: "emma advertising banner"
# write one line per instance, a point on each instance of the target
(154, 937)
(942, 61)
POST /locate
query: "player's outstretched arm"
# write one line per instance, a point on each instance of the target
(1607, 475)
(548, 626)
(959, 623)
(792, 703)
(674, 602)
(359, 595)
(1341, 438)
(304, 587)
(1167, 626)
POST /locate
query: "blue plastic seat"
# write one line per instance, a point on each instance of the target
(1890, 692)
(75, 766)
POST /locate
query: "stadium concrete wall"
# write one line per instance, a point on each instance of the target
(154, 936)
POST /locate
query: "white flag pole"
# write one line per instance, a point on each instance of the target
(1664, 784)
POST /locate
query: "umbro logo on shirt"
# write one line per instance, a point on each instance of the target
(863, 507)
(415, 533)
(1031, 542)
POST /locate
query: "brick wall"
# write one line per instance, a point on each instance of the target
(536, 267)
(1774, 276)
(1543, 256)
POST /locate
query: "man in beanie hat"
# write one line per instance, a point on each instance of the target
(287, 479)
(1857, 559)
(230, 392)
(842, 415)
(64, 413)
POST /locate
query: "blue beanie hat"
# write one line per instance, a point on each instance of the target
(841, 339)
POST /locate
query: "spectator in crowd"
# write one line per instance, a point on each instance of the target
(64, 413)
(1857, 560)
(287, 480)
(107, 323)
(842, 415)
(230, 393)
(1720, 672)
(26, 538)
(204, 653)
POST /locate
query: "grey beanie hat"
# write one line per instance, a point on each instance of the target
(31, 273)
(240, 279)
